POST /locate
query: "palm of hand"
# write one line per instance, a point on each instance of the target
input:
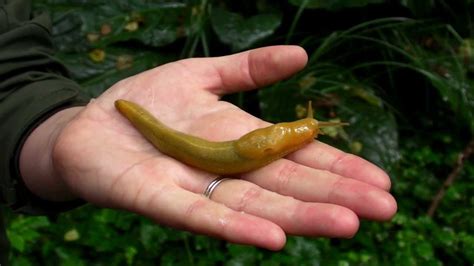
(104, 160)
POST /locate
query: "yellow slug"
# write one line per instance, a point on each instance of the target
(253, 150)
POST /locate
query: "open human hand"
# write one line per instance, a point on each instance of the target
(316, 191)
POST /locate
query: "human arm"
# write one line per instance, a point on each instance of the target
(33, 86)
(316, 191)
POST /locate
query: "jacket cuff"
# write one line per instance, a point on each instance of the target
(39, 100)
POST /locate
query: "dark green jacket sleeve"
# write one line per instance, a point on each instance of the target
(33, 85)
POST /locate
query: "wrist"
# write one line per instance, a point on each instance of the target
(36, 164)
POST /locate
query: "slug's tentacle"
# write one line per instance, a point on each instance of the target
(310, 110)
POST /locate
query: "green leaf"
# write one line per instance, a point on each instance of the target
(118, 63)
(21, 261)
(307, 251)
(424, 250)
(419, 7)
(152, 237)
(457, 89)
(23, 232)
(101, 23)
(241, 33)
(446, 237)
(372, 130)
(334, 5)
(130, 253)
(68, 257)
(467, 245)
(442, 57)
(17, 241)
(242, 255)
(120, 219)
(376, 129)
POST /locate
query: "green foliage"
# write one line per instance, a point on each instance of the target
(24, 230)
(239, 32)
(333, 5)
(404, 84)
(90, 36)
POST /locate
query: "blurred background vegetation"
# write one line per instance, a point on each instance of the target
(400, 71)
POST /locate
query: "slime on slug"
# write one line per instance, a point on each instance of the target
(251, 151)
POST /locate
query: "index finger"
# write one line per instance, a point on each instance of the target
(319, 155)
(248, 70)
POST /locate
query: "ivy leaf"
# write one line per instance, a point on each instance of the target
(241, 33)
(334, 5)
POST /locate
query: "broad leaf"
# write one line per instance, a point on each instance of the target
(376, 130)
(372, 132)
(100, 23)
(334, 5)
(96, 74)
(241, 33)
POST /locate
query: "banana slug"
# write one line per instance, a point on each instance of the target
(251, 151)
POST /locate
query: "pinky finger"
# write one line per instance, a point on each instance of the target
(185, 210)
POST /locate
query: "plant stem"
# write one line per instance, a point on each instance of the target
(205, 47)
(188, 251)
(295, 21)
(462, 157)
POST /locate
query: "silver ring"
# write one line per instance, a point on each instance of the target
(214, 183)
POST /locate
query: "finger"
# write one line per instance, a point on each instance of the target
(311, 185)
(199, 214)
(322, 156)
(293, 216)
(259, 67)
(148, 194)
(249, 69)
